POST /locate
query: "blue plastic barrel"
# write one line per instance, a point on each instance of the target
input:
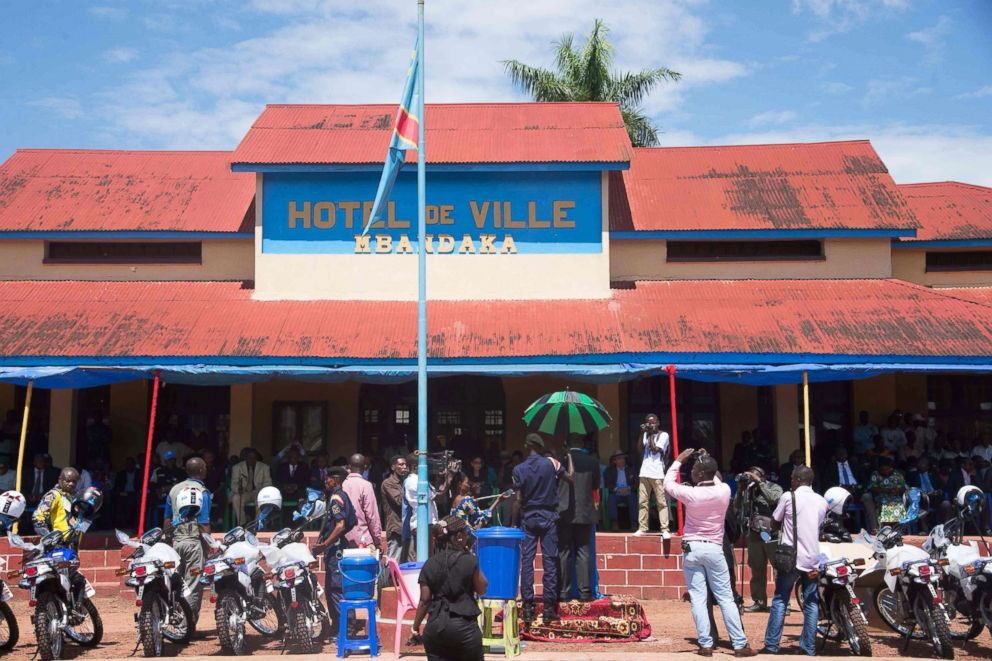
(358, 576)
(498, 549)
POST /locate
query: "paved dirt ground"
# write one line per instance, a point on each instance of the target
(670, 620)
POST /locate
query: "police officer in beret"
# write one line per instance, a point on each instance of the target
(340, 519)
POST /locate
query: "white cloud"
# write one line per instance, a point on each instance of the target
(119, 55)
(108, 11)
(932, 39)
(836, 16)
(835, 87)
(980, 93)
(323, 52)
(884, 90)
(66, 107)
(772, 117)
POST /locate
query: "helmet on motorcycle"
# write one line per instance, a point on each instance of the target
(916, 504)
(970, 500)
(12, 506)
(268, 504)
(189, 501)
(88, 504)
(836, 498)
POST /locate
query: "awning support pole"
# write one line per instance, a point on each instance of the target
(24, 438)
(675, 431)
(806, 416)
(148, 457)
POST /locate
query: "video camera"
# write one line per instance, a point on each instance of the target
(439, 462)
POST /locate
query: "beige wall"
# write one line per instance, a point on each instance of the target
(786, 419)
(637, 259)
(6, 399)
(520, 392)
(62, 427)
(881, 395)
(738, 412)
(911, 265)
(242, 417)
(223, 259)
(128, 419)
(342, 412)
(449, 277)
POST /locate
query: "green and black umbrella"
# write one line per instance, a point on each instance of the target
(566, 412)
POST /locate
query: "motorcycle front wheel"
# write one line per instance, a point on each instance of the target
(962, 626)
(851, 621)
(885, 605)
(180, 630)
(150, 626)
(9, 632)
(47, 616)
(230, 628)
(933, 620)
(89, 632)
(985, 608)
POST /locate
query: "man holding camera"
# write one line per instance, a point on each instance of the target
(704, 563)
(755, 503)
(654, 445)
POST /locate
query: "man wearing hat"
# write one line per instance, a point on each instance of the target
(620, 478)
(341, 518)
(536, 511)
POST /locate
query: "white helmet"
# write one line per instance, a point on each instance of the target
(12, 506)
(188, 505)
(836, 498)
(969, 499)
(267, 504)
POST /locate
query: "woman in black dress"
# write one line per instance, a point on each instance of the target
(450, 583)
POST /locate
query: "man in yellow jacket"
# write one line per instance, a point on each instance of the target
(54, 511)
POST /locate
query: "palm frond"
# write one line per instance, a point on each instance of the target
(540, 84)
(567, 61)
(629, 89)
(641, 131)
(597, 58)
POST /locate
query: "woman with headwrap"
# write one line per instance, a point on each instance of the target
(450, 585)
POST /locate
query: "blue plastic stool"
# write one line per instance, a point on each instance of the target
(371, 640)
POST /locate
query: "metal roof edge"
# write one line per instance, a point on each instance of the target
(825, 233)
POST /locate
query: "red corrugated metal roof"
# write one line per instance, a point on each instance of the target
(455, 133)
(830, 185)
(981, 295)
(204, 319)
(85, 190)
(949, 210)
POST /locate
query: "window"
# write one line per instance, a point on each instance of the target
(371, 416)
(493, 418)
(449, 417)
(402, 415)
(302, 422)
(966, 260)
(743, 251)
(152, 252)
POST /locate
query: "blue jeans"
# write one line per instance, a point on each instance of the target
(705, 563)
(776, 619)
(615, 499)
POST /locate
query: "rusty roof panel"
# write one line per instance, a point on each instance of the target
(48, 190)
(455, 133)
(950, 211)
(220, 320)
(833, 185)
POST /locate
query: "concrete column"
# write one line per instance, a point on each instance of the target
(786, 419)
(608, 395)
(241, 417)
(128, 420)
(62, 427)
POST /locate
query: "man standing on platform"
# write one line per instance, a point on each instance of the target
(392, 507)
(536, 511)
(361, 493)
(704, 563)
(654, 446)
(758, 497)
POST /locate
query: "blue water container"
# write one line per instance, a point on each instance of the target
(498, 549)
(358, 576)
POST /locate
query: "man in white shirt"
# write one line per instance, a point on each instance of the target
(653, 444)
(801, 529)
(409, 509)
(893, 437)
(983, 448)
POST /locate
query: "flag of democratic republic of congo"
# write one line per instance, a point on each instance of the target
(405, 133)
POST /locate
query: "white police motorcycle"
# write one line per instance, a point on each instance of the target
(238, 586)
(60, 595)
(160, 592)
(292, 569)
(12, 505)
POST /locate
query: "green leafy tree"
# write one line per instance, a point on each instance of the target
(586, 74)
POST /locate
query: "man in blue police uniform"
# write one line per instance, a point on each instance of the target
(341, 518)
(536, 511)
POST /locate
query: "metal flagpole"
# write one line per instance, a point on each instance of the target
(148, 457)
(24, 438)
(675, 433)
(806, 416)
(423, 487)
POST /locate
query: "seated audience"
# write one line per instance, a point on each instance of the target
(887, 487)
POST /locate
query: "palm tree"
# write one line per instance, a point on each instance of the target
(587, 75)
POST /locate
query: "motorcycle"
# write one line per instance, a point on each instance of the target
(292, 570)
(240, 590)
(957, 586)
(981, 573)
(160, 592)
(908, 598)
(8, 638)
(842, 615)
(60, 595)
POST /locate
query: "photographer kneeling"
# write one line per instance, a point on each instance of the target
(450, 585)
(755, 502)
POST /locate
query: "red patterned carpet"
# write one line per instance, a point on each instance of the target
(612, 619)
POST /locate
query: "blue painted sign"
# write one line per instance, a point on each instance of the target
(467, 213)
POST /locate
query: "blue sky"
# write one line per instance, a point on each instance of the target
(914, 76)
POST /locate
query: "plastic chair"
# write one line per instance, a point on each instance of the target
(509, 640)
(371, 639)
(405, 601)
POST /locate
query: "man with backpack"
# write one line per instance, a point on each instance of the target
(341, 518)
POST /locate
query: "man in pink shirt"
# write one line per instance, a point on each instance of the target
(368, 530)
(703, 561)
